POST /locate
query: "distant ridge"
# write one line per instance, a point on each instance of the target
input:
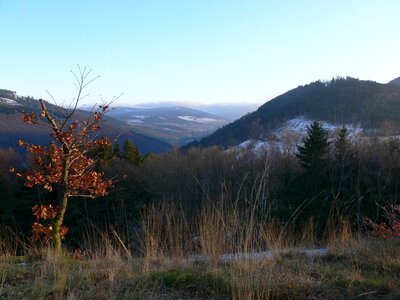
(12, 129)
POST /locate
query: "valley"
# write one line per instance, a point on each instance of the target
(176, 125)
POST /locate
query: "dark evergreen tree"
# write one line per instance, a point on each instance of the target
(103, 152)
(117, 150)
(130, 153)
(312, 154)
(147, 156)
(310, 195)
(344, 172)
(342, 145)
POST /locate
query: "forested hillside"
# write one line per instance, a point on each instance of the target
(340, 101)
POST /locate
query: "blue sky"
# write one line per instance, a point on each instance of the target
(194, 50)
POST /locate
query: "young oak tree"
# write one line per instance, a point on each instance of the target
(65, 163)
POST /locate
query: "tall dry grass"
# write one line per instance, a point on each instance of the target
(184, 257)
(222, 228)
(13, 242)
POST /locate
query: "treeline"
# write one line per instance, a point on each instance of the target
(339, 179)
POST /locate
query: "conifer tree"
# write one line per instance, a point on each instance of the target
(104, 152)
(117, 150)
(313, 184)
(344, 167)
(341, 145)
(312, 153)
(130, 153)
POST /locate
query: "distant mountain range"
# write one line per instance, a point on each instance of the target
(12, 129)
(225, 110)
(365, 106)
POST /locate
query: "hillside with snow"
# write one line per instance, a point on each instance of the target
(365, 107)
(290, 134)
(9, 102)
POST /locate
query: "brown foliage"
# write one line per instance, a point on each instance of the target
(388, 230)
(44, 232)
(64, 163)
(72, 141)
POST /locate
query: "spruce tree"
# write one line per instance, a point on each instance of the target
(104, 152)
(341, 145)
(312, 185)
(130, 153)
(345, 167)
(117, 150)
(313, 152)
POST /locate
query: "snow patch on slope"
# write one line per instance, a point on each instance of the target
(286, 138)
(300, 124)
(198, 120)
(141, 117)
(9, 102)
(135, 122)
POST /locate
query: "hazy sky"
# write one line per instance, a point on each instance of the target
(194, 50)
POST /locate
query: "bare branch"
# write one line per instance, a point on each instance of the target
(49, 118)
(51, 96)
(81, 83)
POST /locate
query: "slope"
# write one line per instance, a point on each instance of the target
(369, 104)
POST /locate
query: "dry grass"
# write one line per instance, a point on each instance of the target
(353, 268)
(366, 269)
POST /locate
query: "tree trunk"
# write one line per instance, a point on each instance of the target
(58, 221)
(63, 202)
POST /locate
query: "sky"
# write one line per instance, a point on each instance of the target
(194, 51)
